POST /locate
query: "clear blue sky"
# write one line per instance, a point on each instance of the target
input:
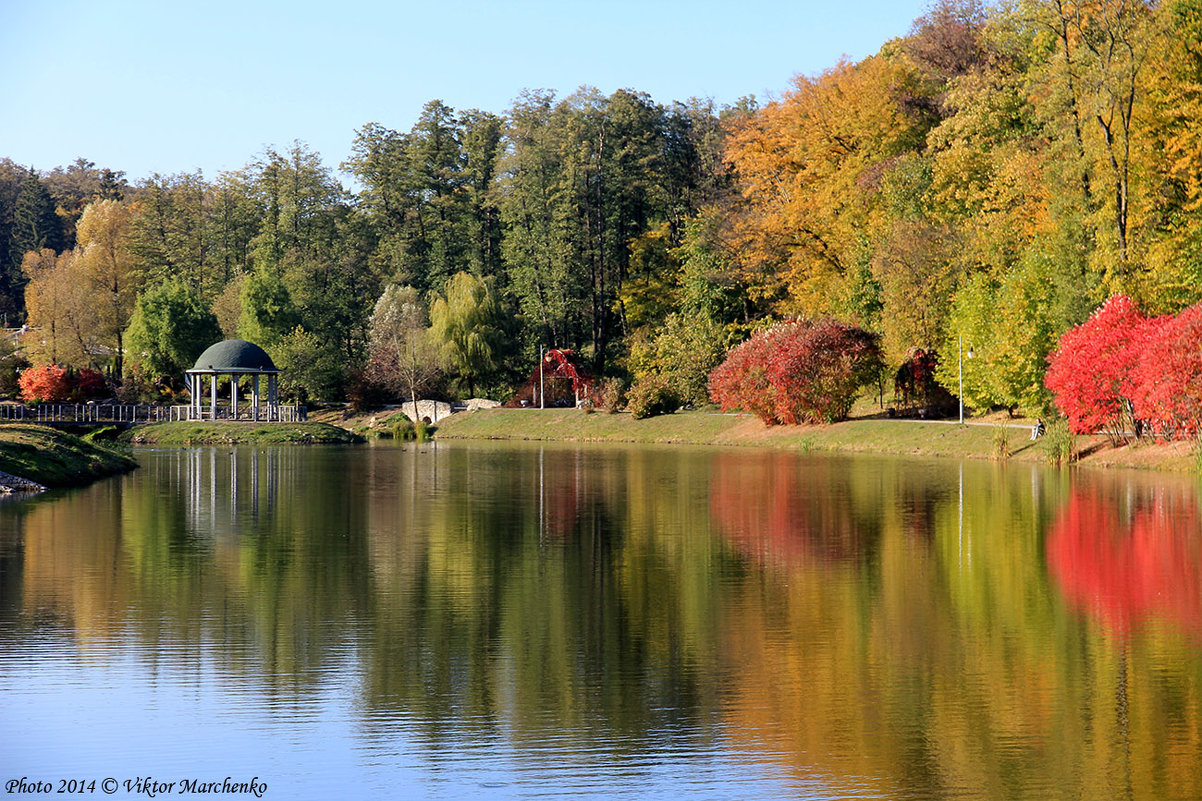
(175, 85)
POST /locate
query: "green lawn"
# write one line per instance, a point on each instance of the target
(55, 459)
(868, 434)
(229, 433)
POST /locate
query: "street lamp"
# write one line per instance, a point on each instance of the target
(970, 355)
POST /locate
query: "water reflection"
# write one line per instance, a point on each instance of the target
(611, 621)
(1128, 555)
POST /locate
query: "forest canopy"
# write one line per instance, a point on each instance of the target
(989, 178)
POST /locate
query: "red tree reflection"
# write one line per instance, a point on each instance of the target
(1126, 565)
(782, 508)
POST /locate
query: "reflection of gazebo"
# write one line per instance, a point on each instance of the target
(237, 359)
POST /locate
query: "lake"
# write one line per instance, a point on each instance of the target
(525, 621)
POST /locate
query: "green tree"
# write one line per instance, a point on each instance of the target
(267, 310)
(682, 355)
(311, 371)
(169, 329)
(469, 326)
(170, 232)
(34, 227)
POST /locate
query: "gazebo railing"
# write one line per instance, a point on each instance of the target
(266, 414)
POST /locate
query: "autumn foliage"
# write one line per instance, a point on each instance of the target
(1125, 568)
(52, 383)
(1120, 371)
(45, 384)
(1166, 381)
(1089, 374)
(802, 371)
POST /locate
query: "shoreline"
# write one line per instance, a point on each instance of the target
(34, 458)
(975, 439)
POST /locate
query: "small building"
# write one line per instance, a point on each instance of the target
(240, 361)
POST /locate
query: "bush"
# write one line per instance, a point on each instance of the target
(48, 383)
(422, 430)
(1001, 442)
(612, 395)
(805, 371)
(1059, 443)
(1120, 371)
(1089, 373)
(402, 428)
(89, 384)
(651, 396)
(1166, 380)
(684, 352)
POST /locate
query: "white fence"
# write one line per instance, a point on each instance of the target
(140, 413)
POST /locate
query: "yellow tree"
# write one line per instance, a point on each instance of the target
(104, 259)
(1168, 153)
(810, 167)
(61, 310)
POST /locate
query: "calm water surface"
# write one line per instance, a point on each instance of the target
(499, 621)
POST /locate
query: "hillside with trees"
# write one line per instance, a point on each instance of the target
(989, 179)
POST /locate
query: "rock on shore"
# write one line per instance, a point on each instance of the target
(10, 483)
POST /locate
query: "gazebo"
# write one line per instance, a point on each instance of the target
(238, 359)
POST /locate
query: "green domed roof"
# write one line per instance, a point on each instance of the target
(235, 355)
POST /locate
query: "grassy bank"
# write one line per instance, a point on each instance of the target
(197, 433)
(863, 435)
(55, 459)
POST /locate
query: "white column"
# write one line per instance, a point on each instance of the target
(234, 396)
(255, 395)
(213, 396)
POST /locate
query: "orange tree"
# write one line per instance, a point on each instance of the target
(44, 384)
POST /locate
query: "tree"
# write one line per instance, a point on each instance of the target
(804, 371)
(681, 356)
(469, 327)
(311, 371)
(34, 227)
(810, 168)
(267, 310)
(1165, 384)
(170, 232)
(45, 384)
(1089, 373)
(61, 310)
(103, 257)
(401, 356)
(169, 329)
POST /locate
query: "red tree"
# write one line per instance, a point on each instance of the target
(1166, 380)
(1089, 374)
(805, 371)
(90, 384)
(45, 384)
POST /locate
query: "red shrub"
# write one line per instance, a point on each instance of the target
(45, 384)
(806, 371)
(1166, 380)
(741, 381)
(90, 384)
(1089, 374)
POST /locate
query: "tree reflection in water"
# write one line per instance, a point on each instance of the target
(1130, 557)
